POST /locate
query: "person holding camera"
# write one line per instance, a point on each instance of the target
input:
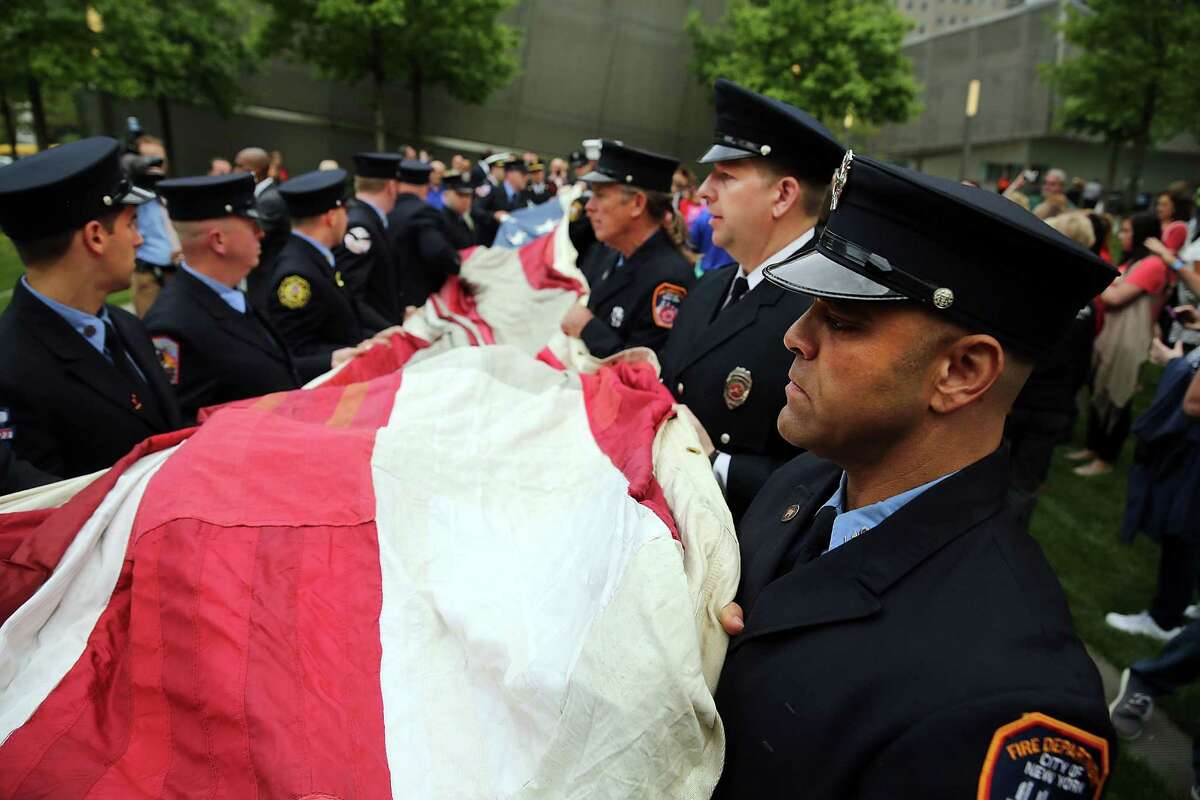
(155, 260)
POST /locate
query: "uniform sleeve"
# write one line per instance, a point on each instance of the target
(601, 339)
(433, 247)
(180, 360)
(33, 435)
(17, 475)
(298, 318)
(996, 749)
(656, 318)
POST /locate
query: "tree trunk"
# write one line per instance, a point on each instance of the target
(1113, 157)
(108, 119)
(10, 124)
(380, 124)
(1141, 143)
(164, 122)
(415, 85)
(41, 132)
(377, 73)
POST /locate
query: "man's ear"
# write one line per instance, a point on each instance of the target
(216, 239)
(638, 203)
(94, 237)
(966, 369)
(787, 195)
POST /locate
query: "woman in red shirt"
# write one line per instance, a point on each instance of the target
(1131, 304)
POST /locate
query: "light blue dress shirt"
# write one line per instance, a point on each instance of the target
(378, 211)
(325, 251)
(848, 525)
(156, 242)
(508, 190)
(89, 326)
(234, 297)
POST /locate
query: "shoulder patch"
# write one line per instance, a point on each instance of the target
(294, 292)
(1040, 758)
(168, 355)
(666, 302)
(357, 240)
(6, 427)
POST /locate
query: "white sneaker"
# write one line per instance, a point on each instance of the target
(1141, 624)
(1192, 612)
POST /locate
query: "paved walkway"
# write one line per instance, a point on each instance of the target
(1165, 749)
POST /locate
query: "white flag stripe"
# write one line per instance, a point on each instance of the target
(44, 638)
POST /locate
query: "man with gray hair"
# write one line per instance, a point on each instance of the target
(272, 217)
(1054, 198)
(213, 345)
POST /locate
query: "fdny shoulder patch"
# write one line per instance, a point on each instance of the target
(294, 292)
(357, 240)
(1040, 758)
(666, 302)
(168, 355)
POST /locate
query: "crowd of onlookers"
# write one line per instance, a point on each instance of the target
(1149, 313)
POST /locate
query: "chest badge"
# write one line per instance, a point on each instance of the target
(337, 278)
(616, 317)
(738, 384)
(790, 513)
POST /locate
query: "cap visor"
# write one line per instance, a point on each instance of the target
(136, 196)
(597, 177)
(814, 273)
(719, 152)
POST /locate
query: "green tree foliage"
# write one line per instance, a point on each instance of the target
(191, 51)
(832, 58)
(459, 45)
(43, 44)
(1130, 76)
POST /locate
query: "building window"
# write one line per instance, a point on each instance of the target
(921, 29)
(953, 20)
(938, 21)
(909, 5)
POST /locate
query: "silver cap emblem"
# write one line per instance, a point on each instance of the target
(840, 176)
(943, 298)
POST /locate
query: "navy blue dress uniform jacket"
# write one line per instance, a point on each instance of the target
(423, 253)
(369, 268)
(17, 475)
(635, 304)
(710, 353)
(211, 352)
(884, 668)
(460, 235)
(309, 309)
(69, 409)
(276, 225)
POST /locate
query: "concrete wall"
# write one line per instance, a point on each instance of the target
(1014, 125)
(613, 68)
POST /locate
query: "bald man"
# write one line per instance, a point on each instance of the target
(272, 218)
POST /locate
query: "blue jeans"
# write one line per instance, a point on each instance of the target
(1177, 665)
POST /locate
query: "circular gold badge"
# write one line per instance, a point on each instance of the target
(294, 292)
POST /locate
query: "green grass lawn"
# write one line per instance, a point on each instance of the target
(1076, 522)
(11, 271)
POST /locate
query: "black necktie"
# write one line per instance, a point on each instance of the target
(114, 348)
(740, 287)
(810, 545)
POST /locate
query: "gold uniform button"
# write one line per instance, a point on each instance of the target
(724, 438)
(679, 388)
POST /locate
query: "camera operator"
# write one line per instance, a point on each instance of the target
(155, 261)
